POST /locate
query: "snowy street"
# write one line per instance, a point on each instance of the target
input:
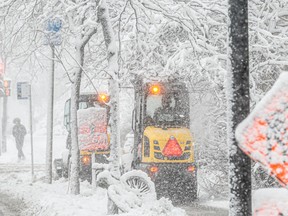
(9, 206)
(15, 180)
(202, 210)
(38, 196)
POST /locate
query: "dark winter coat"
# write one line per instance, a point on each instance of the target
(19, 131)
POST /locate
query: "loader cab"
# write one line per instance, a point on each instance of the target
(161, 113)
(166, 105)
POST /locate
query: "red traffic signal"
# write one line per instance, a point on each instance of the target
(7, 92)
(5, 87)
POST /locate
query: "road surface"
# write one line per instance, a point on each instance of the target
(9, 168)
(197, 209)
(9, 206)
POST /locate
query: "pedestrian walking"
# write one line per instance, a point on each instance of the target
(19, 132)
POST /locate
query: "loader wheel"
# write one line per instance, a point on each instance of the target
(139, 183)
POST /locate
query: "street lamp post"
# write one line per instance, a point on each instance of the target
(238, 106)
(53, 38)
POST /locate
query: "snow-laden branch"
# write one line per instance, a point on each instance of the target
(6, 3)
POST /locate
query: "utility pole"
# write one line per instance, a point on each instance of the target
(49, 146)
(238, 106)
(53, 38)
(31, 132)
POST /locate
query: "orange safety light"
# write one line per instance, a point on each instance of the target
(155, 89)
(191, 168)
(86, 159)
(153, 169)
(102, 97)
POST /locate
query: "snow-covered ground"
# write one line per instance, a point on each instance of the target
(44, 199)
(270, 201)
(39, 149)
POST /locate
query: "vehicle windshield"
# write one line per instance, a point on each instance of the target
(83, 105)
(167, 110)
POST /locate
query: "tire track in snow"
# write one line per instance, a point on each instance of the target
(8, 168)
(196, 209)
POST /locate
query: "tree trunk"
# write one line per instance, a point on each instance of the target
(114, 119)
(238, 106)
(103, 18)
(75, 153)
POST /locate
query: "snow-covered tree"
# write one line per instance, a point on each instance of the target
(113, 69)
(81, 20)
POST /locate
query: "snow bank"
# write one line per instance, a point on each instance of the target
(270, 201)
(49, 200)
(162, 207)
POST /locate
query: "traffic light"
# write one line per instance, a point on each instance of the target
(7, 87)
